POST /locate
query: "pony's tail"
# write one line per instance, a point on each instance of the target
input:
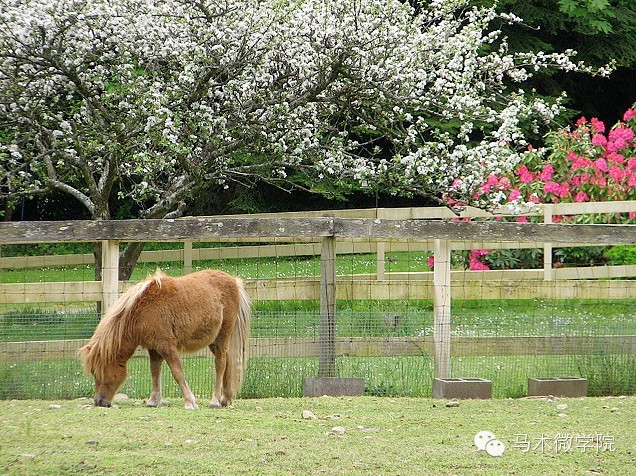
(237, 351)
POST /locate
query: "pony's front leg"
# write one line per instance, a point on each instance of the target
(174, 362)
(155, 370)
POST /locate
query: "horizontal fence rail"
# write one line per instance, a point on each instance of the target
(205, 228)
(293, 347)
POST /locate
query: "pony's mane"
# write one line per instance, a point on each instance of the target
(101, 351)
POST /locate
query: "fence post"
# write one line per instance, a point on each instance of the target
(380, 250)
(380, 257)
(548, 271)
(187, 256)
(327, 359)
(110, 273)
(442, 307)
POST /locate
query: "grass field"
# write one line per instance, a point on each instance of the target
(350, 436)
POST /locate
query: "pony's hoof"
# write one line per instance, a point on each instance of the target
(152, 404)
(216, 405)
(191, 406)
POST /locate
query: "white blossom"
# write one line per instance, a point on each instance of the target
(163, 95)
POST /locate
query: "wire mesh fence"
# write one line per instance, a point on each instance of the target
(505, 328)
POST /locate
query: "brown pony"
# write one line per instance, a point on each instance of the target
(167, 315)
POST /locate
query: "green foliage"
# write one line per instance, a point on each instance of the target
(514, 259)
(580, 256)
(596, 15)
(623, 254)
(45, 249)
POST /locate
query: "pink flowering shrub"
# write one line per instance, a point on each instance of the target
(587, 163)
(583, 164)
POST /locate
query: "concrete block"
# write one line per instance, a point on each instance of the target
(462, 388)
(558, 386)
(333, 386)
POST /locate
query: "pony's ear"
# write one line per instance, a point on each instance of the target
(159, 272)
(84, 351)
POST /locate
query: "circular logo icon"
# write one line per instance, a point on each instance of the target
(482, 438)
(495, 448)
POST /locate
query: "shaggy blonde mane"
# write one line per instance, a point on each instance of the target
(101, 351)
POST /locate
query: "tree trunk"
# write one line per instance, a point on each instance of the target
(128, 259)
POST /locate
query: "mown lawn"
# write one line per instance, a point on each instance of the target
(376, 436)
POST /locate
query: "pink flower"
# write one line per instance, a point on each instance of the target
(582, 121)
(632, 180)
(492, 180)
(597, 125)
(599, 181)
(581, 197)
(599, 140)
(564, 190)
(631, 163)
(619, 138)
(525, 176)
(504, 183)
(615, 145)
(522, 220)
(514, 194)
(615, 158)
(600, 164)
(474, 263)
(551, 187)
(622, 132)
(430, 262)
(616, 173)
(581, 163)
(546, 173)
(629, 114)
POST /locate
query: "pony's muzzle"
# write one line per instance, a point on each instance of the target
(101, 402)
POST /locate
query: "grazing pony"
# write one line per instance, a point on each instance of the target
(167, 315)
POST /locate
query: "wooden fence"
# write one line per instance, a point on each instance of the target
(333, 235)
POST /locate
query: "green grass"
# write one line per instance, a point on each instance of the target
(382, 436)
(252, 268)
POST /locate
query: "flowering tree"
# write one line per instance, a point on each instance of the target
(150, 99)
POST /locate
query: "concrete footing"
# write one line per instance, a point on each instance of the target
(462, 388)
(558, 386)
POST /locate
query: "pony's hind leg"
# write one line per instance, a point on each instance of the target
(156, 360)
(171, 355)
(220, 363)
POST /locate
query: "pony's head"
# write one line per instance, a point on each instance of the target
(108, 375)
